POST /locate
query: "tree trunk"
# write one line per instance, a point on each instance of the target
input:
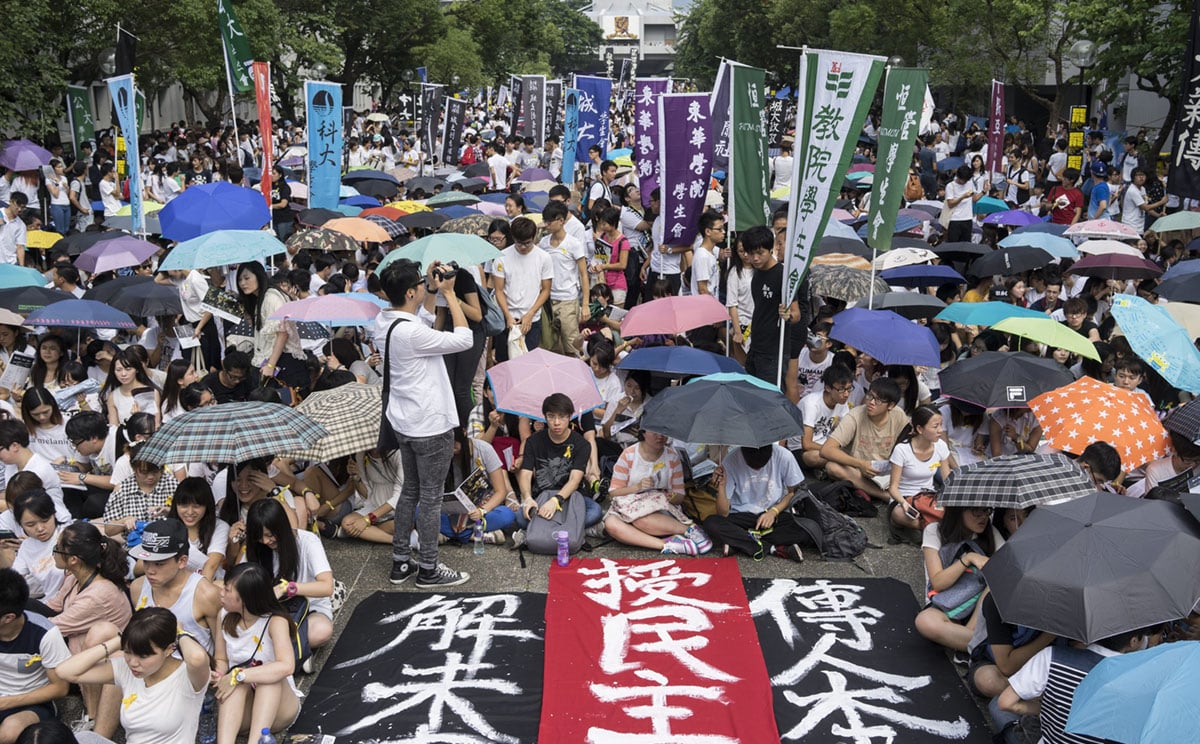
(1168, 126)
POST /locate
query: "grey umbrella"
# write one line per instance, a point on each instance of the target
(1097, 566)
(909, 304)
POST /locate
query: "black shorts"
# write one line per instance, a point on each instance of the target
(44, 711)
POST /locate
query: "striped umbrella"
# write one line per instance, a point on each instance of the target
(232, 433)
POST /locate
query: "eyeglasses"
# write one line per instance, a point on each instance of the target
(980, 511)
(525, 243)
(76, 442)
(845, 389)
(63, 553)
(873, 398)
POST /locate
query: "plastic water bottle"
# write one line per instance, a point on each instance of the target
(207, 732)
(477, 537)
(564, 547)
(266, 737)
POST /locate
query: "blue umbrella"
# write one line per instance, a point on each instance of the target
(921, 276)
(1056, 246)
(737, 377)
(835, 229)
(1041, 227)
(1159, 340)
(79, 314)
(949, 164)
(989, 205)
(12, 275)
(984, 313)
(210, 207)
(679, 360)
(494, 197)
(903, 225)
(454, 211)
(887, 337)
(366, 202)
(1012, 218)
(1183, 268)
(345, 192)
(536, 201)
(1146, 696)
(222, 248)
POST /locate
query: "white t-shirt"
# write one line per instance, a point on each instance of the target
(810, 372)
(564, 258)
(165, 713)
(960, 212)
(755, 491)
(198, 554)
(20, 672)
(52, 443)
(312, 562)
(705, 269)
(42, 468)
(523, 275)
(916, 475)
(498, 171)
(108, 195)
(931, 538)
(819, 416)
(35, 561)
(1131, 208)
(12, 234)
(782, 166)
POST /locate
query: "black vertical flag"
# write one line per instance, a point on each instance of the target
(126, 54)
(1184, 179)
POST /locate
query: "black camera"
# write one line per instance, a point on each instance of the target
(446, 271)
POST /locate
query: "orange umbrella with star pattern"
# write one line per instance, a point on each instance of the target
(1087, 410)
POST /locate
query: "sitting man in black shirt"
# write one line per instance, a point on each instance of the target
(555, 458)
(235, 379)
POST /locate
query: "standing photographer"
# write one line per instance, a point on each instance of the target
(421, 410)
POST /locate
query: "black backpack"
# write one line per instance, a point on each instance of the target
(840, 537)
(841, 496)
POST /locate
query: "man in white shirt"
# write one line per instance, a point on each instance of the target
(575, 227)
(552, 155)
(569, 286)
(706, 272)
(1133, 206)
(821, 410)
(781, 166)
(108, 190)
(523, 275)
(600, 187)
(960, 198)
(12, 232)
(497, 166)
(421, 411)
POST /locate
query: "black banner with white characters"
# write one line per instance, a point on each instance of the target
(1184, 179)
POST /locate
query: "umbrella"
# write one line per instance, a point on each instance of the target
(1144, 697)
(476, 170)
(1116, 266)
(146, 299)
(210, 207)
(1186, 315)
(363, 201)
(898, 257)
(474, 225)
(27, 299)
(984, 313)
(12, 276)
(350, 413)
(535, 174)
(1052, 228)
(299, 190)
(728, 409)
(1101, 229)
(1183, 268)
(148, 207)
(41, 239)
(394, 229)
(321, 239)
(842, 283)
(1088, 410)
(446, 198)
(1016, 482)
(1185, 288)
(333, 309)
(359, 229)
(1097, 566)
(945, 165)
(105, 291)
(1011, 217)
(426, 184)
(961, 251)
(318, 216)
(854, 247)
(75, 313)
(919, 215)
(921, 276)
(360, 176)
(491, 210)
(1100, 247)
(1010, 261)
(347, 210)
(110, 255)
(1185, 420)
(371, 193)
(465, 250)
(23, 155)
(834, 229)
(522, 384)
(887, 337)
(1158, 339)
(124, 222)
(989, 205)
(77, 243)
(222, 248)
(673, 315)
(494, 197)
(232, 433)
(679, 360)
(423, 220)
(1002, 379)
(376, 116)
(1053, 244)
(473, 185)
(907, 304)
(862, 168)
(455, 210)
(345, 192)
(932, 207)
(389, 212)
(903, 225)
(1177, 221)
(842, 259)
(1045, 330)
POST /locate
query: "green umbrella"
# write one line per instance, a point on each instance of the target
(476, 224)
(447, 198)
(988, 205)
(1050, 332)
(321, 239)
(221, 248)
(465, 250)
(1177, 221)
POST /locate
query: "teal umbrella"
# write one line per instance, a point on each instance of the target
(465, 250)
(348, 210)
(12, 276)
(1159, 340)
(988, 205)
(984, 313)
(1055, 245)
(447, 198)
(222, 248)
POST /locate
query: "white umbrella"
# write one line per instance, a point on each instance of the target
(1097, 247)
(903, 257)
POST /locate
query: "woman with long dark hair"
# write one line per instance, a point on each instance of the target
(44, 421)
(193, 505)
(49, 362)
(277, 351)
(34, 513)
(249, 483)
(180, 374)
(920, 453)
(127, 381)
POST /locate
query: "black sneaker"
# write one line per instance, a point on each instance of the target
(441, 576)
(401, 571)
(791, 552)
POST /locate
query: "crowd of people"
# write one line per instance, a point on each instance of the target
(155, 589)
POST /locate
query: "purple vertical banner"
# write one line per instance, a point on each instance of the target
(996, 129)
(685, 149)
(646, 93)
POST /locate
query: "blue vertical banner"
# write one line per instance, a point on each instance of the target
(595, 93)
(423, 74)
(323, 109)
(570, 134)
(124, 101)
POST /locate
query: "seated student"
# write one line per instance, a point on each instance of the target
(755, 486)
(474, 459)
(194, 507)
(621, 421)
(1075, 317)
(859, 447)
(1002, 649)
(234, 381)
(31, 650)
(646, 489)
(1128, 374)
(141, 497)
(372, 518)
(18, 458)
(554, 459)
(1013, 431)
(1184, 458)
(168, 582)
(821, 411)
(34, 512)
(920, 454)
(95, 443)
(162, 676)
(1102, 463)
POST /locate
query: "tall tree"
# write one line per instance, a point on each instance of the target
(33, 96)
(578, 39)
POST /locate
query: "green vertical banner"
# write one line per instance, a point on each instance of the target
(237, 48)
(903, 97)
(750, 204)
(79, 115)
(139, 109)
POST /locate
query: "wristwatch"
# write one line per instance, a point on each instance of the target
(82, 477)
(240, 677)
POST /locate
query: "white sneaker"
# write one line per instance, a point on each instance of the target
(495, 537)
(596, 530)
(83, 723)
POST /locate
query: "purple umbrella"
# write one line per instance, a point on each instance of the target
(529, 175)
(23, 155)
(920, 215)
(110, 255)
(292, 162)
(1011, 218)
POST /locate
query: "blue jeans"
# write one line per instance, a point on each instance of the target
(593, 512)
(500, 518)
(424, 462)
(60, 217)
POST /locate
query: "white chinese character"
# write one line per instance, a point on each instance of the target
(678, 192)
(698, 138)
(587, 102)
(646, 97)
(660, 710)
(645, 120)
(693, 114)
(645, 144)
(677, 229)
(680, 211)
(699, 164)
(696, 189)
(645, 168)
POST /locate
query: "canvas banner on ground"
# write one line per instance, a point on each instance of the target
(432, 667)
(595, 93)
(570, 134)
(238, 59)
(995, 139)
(652, 651)
(262, 97)
(323, 110)
(749, 203)
(124, 101)
(79, 116)
(903, 95)
(685, 149)
(1185, 153)
(846, 665)
(835, 91)
(645, 112)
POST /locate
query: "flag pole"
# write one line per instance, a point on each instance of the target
(237, 140)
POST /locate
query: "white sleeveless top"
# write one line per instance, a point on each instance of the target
(253, 641)
(182, 609)
(165, 713)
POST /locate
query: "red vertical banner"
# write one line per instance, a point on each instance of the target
(995, 158)
(262, 95)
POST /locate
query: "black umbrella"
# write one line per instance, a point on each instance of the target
(425, 183)
(1016, 482)
(1185, 420)
(909, 304)
(107, 290)
(423, 220)
(1010, 261)
(734, 412)
(1185, 288)
(362, 176)
(1098, 566)
(901, 241)
(477, 170)
(1003, 379)
(28, 299)
(77, 243)
(473, 185)
(843, 245)
(380, 189)
(318, 216)
(148, 300)
(961, 251)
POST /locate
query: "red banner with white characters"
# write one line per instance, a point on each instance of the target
(262, 95)
(996, 129)
(653, 652)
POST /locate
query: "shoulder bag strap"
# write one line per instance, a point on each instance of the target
(387, 353)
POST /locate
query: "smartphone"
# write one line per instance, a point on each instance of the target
(912, 513)
(7, 535)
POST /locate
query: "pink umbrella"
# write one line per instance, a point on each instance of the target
(673, 315)
(334, 310)
(522, 384)
(917, 214)
(861, 168)
(841, 215)
(118, 253)
(1101, 229)
(491, 210)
